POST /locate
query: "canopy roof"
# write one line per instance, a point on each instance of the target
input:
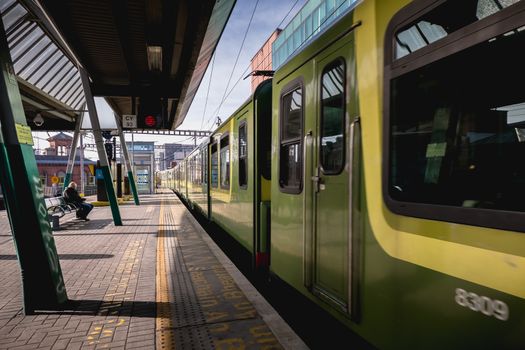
(131, 49)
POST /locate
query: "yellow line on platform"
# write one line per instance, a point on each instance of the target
(164, 321)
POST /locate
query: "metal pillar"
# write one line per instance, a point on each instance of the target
(82, 180)
(97, 133)
(124, 151)
(42, 281)
(73, 152)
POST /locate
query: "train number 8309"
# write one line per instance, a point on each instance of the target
(483, 304)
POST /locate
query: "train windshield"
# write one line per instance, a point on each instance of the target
(457, 128)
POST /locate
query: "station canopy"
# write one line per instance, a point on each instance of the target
(137, 53)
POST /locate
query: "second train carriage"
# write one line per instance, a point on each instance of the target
(239, 154)
(396, 186)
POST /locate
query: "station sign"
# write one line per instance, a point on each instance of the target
(129, 121)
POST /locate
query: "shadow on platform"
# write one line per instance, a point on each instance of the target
(66, 256)
(107, 308)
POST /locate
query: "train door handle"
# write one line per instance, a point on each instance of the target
(318, 183)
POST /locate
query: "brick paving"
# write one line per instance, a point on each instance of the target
(110, 275)
(109, 272)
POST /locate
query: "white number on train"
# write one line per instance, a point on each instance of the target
(483, 304)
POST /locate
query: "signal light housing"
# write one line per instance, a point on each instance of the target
(152, 113)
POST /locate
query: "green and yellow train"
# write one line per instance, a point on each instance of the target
(380, 173)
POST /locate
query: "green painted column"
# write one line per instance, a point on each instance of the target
(73, 152)
(102, 156)
(124, 149)
(133, 187)
(42, 281)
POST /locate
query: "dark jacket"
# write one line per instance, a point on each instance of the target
(71, 196)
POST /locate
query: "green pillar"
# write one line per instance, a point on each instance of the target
(103, 158)
(124, 149)
(42, 281)
(73, 152)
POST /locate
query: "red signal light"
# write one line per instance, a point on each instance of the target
(150, 121)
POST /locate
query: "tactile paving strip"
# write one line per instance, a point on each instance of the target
(207, 310)
(187, 322)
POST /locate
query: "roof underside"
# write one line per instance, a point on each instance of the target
(132, 49)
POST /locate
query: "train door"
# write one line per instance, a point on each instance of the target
(331, 185)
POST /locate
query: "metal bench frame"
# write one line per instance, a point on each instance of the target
(57, 207)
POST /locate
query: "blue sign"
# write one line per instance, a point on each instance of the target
(99, 175)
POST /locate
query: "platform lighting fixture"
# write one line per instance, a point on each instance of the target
(155, 58)
(38, 120)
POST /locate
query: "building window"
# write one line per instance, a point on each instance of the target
(291, 158)
(243, 156)
(61, 175)
(333, 118)
(214, 166)
(225, 162)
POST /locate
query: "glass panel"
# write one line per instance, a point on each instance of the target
(291, 165)
(34, 59)
(34, 74)
(60, 85)
(25, 42)
(60, 78)
(292, 117)
(59, 64)
(333, 119)
(314, 16)
(225, 163)
(243, 155)
(443, 20)
(290, 175)
(71, 89)
(457, 129)
(214, 166)
(12, 16)
(4, 5)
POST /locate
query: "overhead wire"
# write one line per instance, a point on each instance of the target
(327, 17)
(239, 53)
(208, 91)
(225, 96)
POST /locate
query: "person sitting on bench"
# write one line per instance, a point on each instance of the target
(71, 196)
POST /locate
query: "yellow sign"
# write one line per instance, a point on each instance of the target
(92, 169)
(55, 179)
(24, 134)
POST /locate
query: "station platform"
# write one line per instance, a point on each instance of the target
(158, 282)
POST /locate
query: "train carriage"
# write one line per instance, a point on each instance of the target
(387, 153)
(239, 153)
(409, 244)
(198, 178)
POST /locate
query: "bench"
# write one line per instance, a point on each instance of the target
(57, 207)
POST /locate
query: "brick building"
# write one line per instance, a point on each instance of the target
(54, 162)
(263, 59)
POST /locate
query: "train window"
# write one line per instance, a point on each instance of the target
(214, 166)
(225, 162)
(204, 166)
(291, 158)
(444, 20)
(243, 156)
(456, 130)
(333, 118)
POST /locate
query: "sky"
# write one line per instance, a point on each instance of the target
(269, 14)
(203, 112)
